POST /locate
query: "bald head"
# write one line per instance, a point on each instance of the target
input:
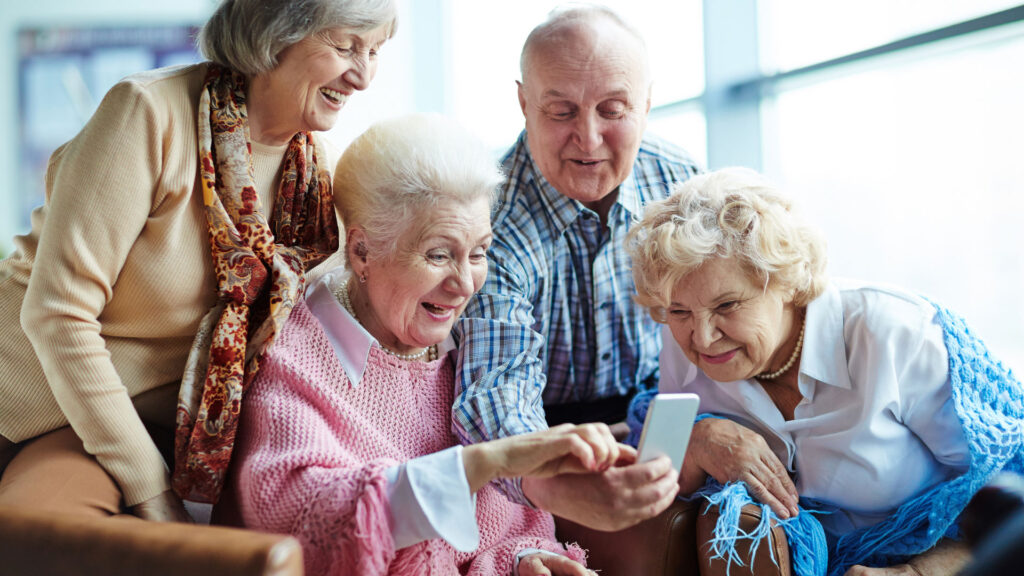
(596, 31)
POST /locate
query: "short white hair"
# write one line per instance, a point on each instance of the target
(248, 35)
(396, 172)
(729, 213)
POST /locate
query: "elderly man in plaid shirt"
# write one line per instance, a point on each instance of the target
(554, 335)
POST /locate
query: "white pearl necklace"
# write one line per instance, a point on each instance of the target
(792, 357)
(341, 293)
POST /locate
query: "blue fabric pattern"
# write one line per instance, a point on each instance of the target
(989, 401)
(555, 322)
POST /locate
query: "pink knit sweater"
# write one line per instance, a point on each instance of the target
(314, 448)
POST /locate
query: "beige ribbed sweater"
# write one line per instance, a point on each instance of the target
(115, 275)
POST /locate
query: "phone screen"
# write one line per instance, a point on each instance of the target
(667, 427)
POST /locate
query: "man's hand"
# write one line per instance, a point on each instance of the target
(564, 449)
(620, 430)
(164, 507)
(730, 452)
(612, 500)
(551, 565)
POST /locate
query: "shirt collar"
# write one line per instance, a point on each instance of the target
(824, 354)
(351, 342)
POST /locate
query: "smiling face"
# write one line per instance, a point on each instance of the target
(411, 299)
(727, 325)
(311, 82)
(585, 97)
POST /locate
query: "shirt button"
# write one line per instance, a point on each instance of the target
(606, 356)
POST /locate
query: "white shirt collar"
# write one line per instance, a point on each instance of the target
(824, 354)
(351, 342)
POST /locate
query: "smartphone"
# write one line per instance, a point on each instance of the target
(667, 427)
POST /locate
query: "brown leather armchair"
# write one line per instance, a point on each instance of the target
(667, 545)
(664, 544)
(44, 544)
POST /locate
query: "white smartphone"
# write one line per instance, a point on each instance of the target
(667, 427)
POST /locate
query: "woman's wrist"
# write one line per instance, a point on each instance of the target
(691, 479)
(476, 459)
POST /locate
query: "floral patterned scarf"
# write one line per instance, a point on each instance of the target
(259, 268)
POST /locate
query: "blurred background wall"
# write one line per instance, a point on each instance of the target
(898, 124)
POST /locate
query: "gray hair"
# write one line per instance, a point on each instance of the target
(729, 213)
(248, 35)
(569, 17)
(392, 176)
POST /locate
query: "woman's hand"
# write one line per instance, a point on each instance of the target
(539, 564)
(164, 507)
(566, 448)
(897, 570)
(946, 558)
(730, 452)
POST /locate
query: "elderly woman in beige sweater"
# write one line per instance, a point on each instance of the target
(193, 202)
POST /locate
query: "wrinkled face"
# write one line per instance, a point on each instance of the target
(315, 76)
(586, 105)
(726, 324)
(417, 294)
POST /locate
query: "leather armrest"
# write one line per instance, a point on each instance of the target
(665, 544)
(42, 544)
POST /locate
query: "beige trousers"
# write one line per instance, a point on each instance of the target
(53, 472)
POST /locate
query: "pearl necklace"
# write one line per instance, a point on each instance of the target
(792, 357)
(341, 293)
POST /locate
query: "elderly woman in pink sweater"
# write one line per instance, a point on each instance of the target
(346, 435)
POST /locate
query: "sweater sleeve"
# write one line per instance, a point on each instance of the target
(101, 187)
(430, 498)
(297, 474)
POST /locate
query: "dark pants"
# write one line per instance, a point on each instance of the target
(608, 410)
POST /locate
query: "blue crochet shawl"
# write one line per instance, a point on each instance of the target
(990, 403)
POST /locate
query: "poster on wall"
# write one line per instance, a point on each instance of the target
(63, 74)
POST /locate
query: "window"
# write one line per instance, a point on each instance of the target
(912, 168)
(797, 33)
(487, 38)
(898, 127)
(64, 74)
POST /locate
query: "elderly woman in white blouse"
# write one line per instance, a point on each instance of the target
(838, 393)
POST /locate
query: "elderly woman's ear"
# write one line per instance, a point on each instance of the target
(355, 250)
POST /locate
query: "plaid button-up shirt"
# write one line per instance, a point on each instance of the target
(555, 321)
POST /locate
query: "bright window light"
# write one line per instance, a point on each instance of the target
(487, 38)
(912, 167)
